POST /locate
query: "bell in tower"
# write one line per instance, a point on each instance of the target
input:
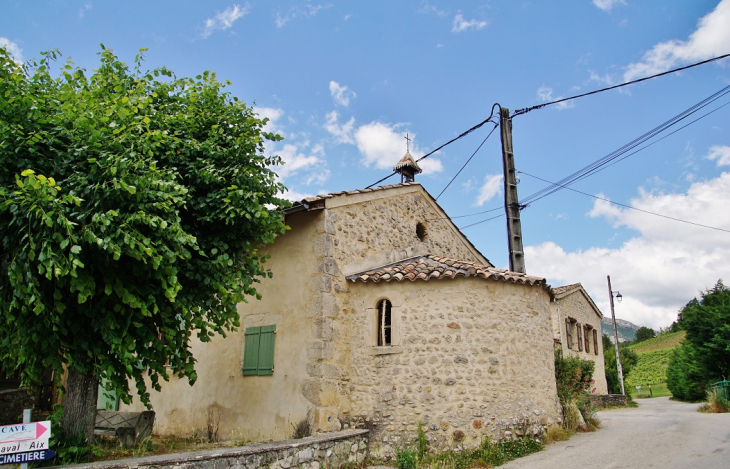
(407, 166)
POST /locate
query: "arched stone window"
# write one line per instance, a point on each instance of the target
(385, 323)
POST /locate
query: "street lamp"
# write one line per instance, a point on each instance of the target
(619, 297)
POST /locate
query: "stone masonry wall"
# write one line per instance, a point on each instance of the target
(12, 403)
(352, 237)
(577, 306)
(381, 231)
(315, 452)
(474, 359)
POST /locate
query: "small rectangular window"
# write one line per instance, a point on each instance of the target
(595, 341)
(258, 351)
(579, 338)
(587, 336)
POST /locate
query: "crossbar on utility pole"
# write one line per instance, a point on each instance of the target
(615, 338)
(511, 202)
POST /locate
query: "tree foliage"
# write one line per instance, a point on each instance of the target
(132, 205)
(628, 361)
(704, 357)
(644, 333)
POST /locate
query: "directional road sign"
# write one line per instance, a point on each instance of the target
(23, 437)
(31, 456)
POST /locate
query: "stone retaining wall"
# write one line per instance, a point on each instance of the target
(610, 400)
(314, 452)
(12, 403)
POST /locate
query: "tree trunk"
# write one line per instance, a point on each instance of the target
(79, 408)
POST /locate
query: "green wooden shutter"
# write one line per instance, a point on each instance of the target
(266, 350)
(258, 352)
(106, 400)
(251, 351)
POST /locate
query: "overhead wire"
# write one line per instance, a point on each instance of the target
(462, 135)
(594, 167)
(518, 112)
(467, 161)
(627, 206)
(559, 186)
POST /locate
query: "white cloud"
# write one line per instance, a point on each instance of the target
(13, 48)
(307, 10)
(295, 196)
(659, 270)
(460, 24)
(224, 19)
(294, 160)
(341, 94)
(427, 9)
(606, 79)
(546, 94)
(383, 145)
(84, 9)
(710, 39)
(342, 133)
(721, 153)
(491, 187)
(431, 165)
(273, 114)
(608, 5)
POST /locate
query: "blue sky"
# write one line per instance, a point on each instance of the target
(344, 82)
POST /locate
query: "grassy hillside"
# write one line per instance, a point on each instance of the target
(668, 340)
(653, 359)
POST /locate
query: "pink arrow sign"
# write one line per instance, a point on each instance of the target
(25, 432)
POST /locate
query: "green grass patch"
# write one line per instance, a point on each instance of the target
(657, 390)
(488, 454)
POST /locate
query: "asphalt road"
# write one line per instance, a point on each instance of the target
(660, 434)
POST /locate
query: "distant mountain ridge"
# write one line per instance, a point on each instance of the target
(626, 330)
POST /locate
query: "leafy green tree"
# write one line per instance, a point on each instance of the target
(628, 361)
(704, 357)
(685, 378)
(644, 333)
(607, 345)
(132, 205)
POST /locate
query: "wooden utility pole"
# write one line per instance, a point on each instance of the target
(511, 202)
(615, 338)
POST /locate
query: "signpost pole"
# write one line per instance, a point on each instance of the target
(27, 418)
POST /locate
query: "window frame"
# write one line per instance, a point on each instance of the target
(385, 323)
(377, 345)
(258, 351)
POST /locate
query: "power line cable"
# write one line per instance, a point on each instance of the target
(480, 222)
(627, 206)
(462, 135)
(553, 185)
(594, 167)
(540, 106)
(467, 161)
(659, 140)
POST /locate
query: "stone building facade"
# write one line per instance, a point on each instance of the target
(380, 314)
(576, 322)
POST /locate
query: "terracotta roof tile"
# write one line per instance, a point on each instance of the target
(430, 266)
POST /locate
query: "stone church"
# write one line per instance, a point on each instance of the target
(380, 314)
